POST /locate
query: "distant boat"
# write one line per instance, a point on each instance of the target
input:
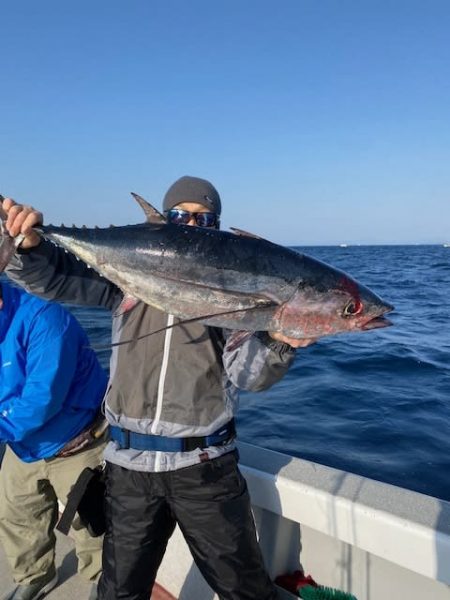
(446, 245)
(342, 245)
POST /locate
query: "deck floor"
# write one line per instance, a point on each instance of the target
(70, 586)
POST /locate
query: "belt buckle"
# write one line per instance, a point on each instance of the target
(126, 439)
(192, 443)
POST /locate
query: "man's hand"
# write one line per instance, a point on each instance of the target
(294, 342)
(21, 220)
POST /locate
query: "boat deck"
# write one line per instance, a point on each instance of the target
(358, 535)
(70, 587)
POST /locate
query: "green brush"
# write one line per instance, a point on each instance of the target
(309, 592)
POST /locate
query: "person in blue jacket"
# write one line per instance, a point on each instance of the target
(51, 389)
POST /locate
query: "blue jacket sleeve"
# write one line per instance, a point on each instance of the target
(51, 359)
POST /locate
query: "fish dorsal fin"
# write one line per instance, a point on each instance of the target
(153, 215)
(245, 233)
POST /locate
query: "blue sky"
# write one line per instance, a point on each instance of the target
(320, 122)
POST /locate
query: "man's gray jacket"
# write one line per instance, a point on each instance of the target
(181, 382)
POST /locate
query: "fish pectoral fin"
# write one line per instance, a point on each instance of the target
(153, 215)
(237, 338)
(221, 295)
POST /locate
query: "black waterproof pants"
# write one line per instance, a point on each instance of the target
(210, 503)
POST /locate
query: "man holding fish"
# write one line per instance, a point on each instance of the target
(172, 396)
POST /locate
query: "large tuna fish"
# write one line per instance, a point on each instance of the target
(233, 280)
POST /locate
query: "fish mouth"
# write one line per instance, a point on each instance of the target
(377, 323)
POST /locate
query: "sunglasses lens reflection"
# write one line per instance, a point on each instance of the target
(182, 217)
(205, 219)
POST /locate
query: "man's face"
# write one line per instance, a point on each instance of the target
(192, 213)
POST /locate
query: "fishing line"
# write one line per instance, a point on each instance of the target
(186, 321)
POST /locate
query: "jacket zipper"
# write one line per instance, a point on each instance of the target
(162, 375)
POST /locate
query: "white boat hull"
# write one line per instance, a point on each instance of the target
(377, 541)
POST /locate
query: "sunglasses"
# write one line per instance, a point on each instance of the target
(182, 217)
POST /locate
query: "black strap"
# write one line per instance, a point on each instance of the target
(74, 498)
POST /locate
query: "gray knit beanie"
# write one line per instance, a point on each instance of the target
(192, 189)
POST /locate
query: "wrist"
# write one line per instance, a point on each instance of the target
(272, 343)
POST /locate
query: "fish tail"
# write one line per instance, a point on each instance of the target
(7, 250)
(8, 244)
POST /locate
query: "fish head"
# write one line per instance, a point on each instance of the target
(363, 310)
(328, 301)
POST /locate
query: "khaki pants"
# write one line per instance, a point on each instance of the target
(29, 494)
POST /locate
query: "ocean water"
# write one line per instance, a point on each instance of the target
(375, 403)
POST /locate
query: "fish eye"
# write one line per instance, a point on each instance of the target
(352, 308)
